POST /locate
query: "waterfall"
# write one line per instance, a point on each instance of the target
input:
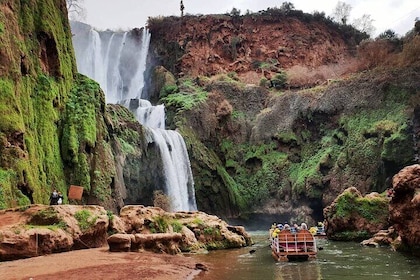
(117, 61)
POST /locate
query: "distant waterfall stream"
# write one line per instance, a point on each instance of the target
(117, 61)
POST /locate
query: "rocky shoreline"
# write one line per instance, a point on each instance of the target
(41, 229)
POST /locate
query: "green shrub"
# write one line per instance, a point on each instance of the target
(176, 226)
(110, 215)
(85, 219)
(185, 101)
(372, 209)
(167, 90)
(159, 225)
(198, 221)
(279, 80)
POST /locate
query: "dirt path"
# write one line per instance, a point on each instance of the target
(99, 263)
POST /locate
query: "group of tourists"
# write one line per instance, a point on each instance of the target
(295, 228)
(56, 198)
(276, 228)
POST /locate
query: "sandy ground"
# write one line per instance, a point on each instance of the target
(99, 263)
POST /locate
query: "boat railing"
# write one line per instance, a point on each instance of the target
(301, 242)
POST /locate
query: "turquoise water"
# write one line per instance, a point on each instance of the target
(336, 260)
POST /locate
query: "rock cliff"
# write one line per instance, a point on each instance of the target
(212, 44)
(276, 118)
(55, 128)
(404, 207)
(37, 70)
(262, 140)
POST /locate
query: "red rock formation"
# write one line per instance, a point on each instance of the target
(42, 229)
(207, 45)
(405, 206)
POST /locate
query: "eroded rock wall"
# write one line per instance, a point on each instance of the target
(404, 207)
(212, 44)
(262, 148)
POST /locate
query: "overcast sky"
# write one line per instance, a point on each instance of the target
(398, 15)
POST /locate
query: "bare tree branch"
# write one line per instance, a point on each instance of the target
(341, 12)
(76, 9)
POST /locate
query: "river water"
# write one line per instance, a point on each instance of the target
(335, 260)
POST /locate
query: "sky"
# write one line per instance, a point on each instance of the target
(397, 15)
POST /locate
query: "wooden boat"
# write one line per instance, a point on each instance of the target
(293, 246)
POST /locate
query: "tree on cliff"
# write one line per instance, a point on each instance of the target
(341, 12)
(76, 10)
(364, 24)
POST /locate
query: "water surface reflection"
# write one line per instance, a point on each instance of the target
(336, 260)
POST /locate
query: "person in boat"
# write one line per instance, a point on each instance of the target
(286, 227)
(320, 228)
(273, 227)
(275, 232)
(280, 226)
(303, 226)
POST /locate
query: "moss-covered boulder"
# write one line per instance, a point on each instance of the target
(354, 217)
(199, 230)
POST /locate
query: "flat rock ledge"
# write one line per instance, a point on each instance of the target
(156, 242)
(38, 229)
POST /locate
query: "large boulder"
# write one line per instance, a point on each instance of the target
(42, 229)
(404, 207)
(199, 230)
(354, 217)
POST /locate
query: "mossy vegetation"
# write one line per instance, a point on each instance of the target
(365, 141)
(11, 118)
(189, 96)
(47, 218)
(85, 219)
(37, 75)
(176, 226)
(254, 170)
(160, 224)
(374, 210)
(79, 136)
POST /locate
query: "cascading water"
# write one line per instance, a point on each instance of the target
(117, 61)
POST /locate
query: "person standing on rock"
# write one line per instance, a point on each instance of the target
(54, 197)
(60, 198)
(182, 7)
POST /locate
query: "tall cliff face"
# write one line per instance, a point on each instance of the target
(278, 39)
(36, 74)
(259, 148)
(55, 129)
